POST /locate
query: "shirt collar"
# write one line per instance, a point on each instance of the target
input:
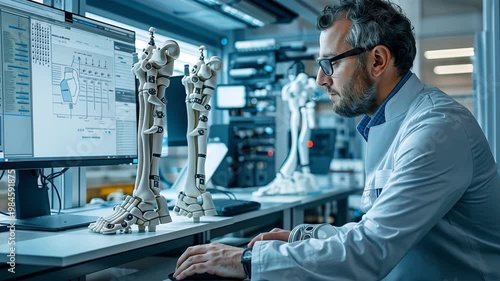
(379, 117)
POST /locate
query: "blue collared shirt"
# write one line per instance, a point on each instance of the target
(379, 118)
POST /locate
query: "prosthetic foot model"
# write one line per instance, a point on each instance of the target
(194, 201)
(146, 207)
(289, 181)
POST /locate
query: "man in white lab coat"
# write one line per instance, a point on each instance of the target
(432, 194)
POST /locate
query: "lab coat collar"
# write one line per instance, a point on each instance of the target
(400, 102)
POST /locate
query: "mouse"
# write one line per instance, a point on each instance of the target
(204, 276)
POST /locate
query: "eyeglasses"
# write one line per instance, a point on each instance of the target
(326, 64)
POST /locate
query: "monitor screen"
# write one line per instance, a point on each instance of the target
(230, 96)
(175, 134)
(68, 95)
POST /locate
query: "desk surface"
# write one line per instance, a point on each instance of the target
(74, 246)
(70, 247)
(79, 245)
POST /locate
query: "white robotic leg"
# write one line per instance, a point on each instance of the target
(305, 178)
(146, 207)
(195, 201)
(283, 183)
(208, 73)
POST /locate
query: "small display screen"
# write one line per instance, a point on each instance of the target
(231, 96)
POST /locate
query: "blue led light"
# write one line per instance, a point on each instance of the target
(268, 68)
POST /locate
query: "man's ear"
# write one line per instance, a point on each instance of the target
(380, 59)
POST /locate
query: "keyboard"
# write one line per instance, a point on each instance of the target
(228, 207)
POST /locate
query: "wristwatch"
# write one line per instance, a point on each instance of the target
(246, 260)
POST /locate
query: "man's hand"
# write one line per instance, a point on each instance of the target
(215, 258)
(275, 234)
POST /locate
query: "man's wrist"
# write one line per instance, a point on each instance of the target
(246, 261)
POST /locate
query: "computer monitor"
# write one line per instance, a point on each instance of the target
(175, 134)
(230, 96)
(68, 96)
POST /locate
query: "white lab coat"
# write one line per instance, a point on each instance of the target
(437, 215)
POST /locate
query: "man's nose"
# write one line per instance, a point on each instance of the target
(322, 79)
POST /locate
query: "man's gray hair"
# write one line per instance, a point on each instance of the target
(375, 22)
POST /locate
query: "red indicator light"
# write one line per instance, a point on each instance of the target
(310, 143)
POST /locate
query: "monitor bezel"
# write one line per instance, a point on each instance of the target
(32, 162)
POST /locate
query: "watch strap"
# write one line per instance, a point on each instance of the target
(247, 262)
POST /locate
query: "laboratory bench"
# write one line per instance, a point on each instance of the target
(77, 253)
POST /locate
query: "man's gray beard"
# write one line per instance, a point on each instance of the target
(354, 104)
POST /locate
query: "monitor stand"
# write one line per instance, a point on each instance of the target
(33, 206)
(55, 222)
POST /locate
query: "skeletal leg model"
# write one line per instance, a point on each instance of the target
(283, 183)
(304, 180)
(146, 207)
(194, 201)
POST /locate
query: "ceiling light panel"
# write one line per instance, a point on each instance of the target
(449, 53)
(453, 69)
